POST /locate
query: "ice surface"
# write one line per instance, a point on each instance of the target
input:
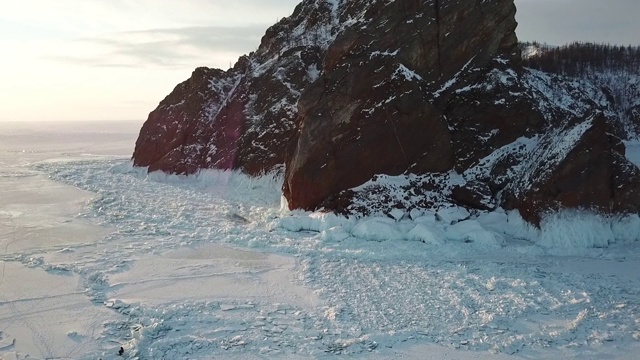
(211, 266)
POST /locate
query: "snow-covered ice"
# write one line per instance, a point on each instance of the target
(96, 255)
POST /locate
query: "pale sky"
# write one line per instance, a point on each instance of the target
(116, 59)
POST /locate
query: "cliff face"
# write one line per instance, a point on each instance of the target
(378, 107)
(243, 118)
(561, 153)
(433, 91)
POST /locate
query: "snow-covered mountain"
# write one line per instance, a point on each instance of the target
(376, 105)
(614, 69)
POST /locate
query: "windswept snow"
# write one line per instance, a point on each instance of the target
(453, 79)
(213, 266)
(575, 96)
(408, 74)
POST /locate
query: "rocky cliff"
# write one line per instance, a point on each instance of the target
(372, 105)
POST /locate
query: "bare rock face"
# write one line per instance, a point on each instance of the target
(373, 105)
(522, 139)
(374, 110)
(579, 166)
(242, 118)
(474, 194)
(169, 138)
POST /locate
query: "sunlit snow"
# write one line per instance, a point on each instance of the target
(97, 255)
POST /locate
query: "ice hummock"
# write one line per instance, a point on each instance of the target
(184, 278)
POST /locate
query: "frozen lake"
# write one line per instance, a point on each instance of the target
(96, 255)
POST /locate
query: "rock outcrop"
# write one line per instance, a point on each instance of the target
(242, 118)
(581, 166)
(351, 96)
(375, 110)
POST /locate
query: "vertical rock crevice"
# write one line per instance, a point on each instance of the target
(436, 4)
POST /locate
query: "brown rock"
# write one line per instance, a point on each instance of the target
(166, 140)
(474, 194)
(594, 174)
(348, 93)
(371, 114)
(482, 120)
(243, 118)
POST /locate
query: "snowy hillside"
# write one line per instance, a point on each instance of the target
(614, 69)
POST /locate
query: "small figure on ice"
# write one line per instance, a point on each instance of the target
(121, 351)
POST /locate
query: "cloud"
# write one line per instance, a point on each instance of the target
(562, 21)
(179, 47)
